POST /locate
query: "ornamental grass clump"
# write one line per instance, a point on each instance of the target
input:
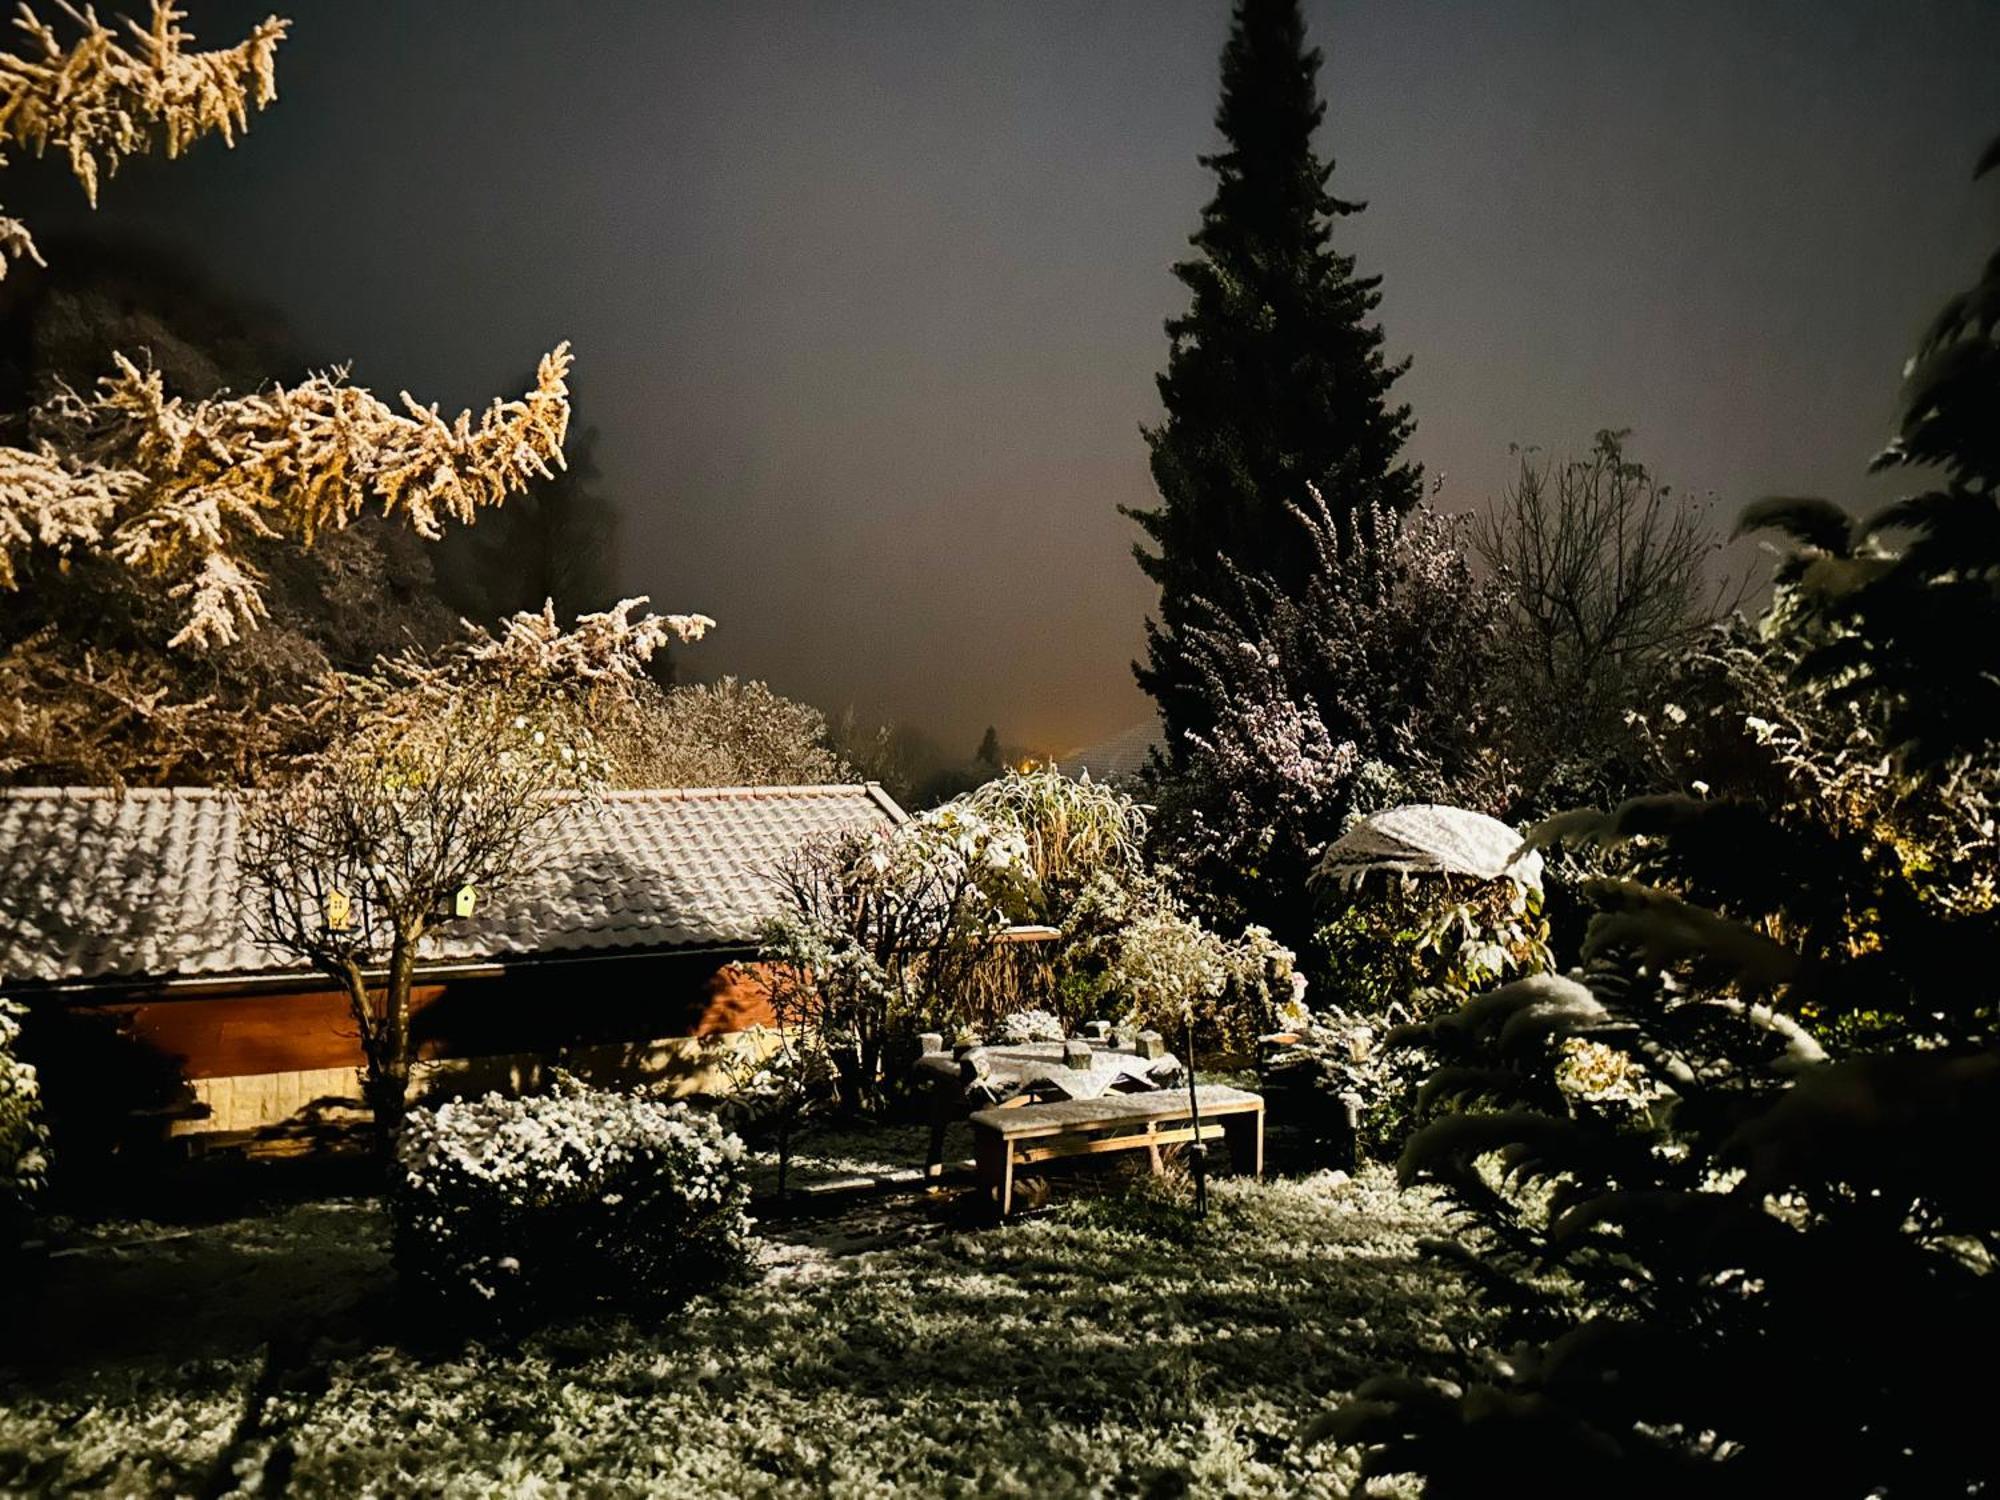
(510, 1209)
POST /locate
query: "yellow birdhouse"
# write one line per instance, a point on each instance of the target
(463, 901)
(339, 910)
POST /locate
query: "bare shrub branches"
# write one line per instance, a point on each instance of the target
(435, 773)
(882, 929)
(1607, 573)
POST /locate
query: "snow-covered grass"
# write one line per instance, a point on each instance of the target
(838, 1153)
(1111, 1346)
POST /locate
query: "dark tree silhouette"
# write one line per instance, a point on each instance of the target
(1276, 376)
(1608, 577)
(555, 542)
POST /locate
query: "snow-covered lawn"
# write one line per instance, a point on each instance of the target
(1108, 1347)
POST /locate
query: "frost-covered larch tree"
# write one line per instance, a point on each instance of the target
(162, 498)
(170, 493)
(108, 94)
(172, 488)
(409, 780)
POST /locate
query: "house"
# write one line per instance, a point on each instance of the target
(627, 949)
(1122, 758)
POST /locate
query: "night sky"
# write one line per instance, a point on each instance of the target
(866, 298)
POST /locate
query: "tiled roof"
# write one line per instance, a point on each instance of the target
(1120, 758)
(101, 885)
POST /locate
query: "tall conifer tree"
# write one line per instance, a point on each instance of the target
(1276, 377)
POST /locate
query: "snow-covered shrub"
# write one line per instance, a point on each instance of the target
(1086, 850)
(1074, 830)
(1341, 1084)
(777, 1081)
(1302, 699)
(1398, 952)
(775, 1075)
(1595, 1075)
(508, 1207)
(880, 931)
(724, 733)
(23, 1139)
(1168, 969)
(1420, 945)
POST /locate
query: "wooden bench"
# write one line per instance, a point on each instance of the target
(1006, 1139)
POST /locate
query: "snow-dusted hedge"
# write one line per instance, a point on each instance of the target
(509, 1207)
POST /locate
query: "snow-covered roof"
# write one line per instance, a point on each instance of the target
(1428, 838)
(144, 884)
(1119, 758)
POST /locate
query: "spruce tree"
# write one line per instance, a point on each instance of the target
(1275, 377)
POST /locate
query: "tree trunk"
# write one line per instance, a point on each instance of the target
(386, 1090)
(388, 1084)
(871, 1072)
(368, 1025)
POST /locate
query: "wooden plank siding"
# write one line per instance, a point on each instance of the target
(521, 1010)
(254, 1058)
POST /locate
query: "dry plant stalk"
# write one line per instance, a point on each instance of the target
(107, 96)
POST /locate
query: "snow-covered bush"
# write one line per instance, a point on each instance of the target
(881, 929)
(1339, 1082)
(1399, 952)
(23, 1157)
(1075, 830)
(509, 1207)
(1086, 847)
(1599, 1077)
(1167, 969)
(1302, 697)
(777, 1081)
(1419, 946)
(725, 733)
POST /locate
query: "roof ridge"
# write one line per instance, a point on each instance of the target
(869, 789)
(112, 793)
(703, 793)
(1144, 730)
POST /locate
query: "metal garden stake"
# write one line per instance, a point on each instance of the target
(1197, 1148)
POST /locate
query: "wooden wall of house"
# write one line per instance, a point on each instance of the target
(215, 1061)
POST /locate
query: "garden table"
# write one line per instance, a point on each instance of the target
(1010, 1075)
(1006, 1139)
